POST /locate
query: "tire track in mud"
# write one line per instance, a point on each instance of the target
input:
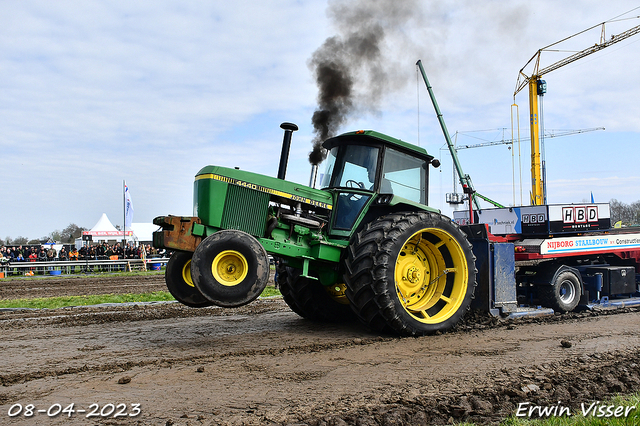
(119, 367)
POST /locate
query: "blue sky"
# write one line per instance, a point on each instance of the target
(96, 92)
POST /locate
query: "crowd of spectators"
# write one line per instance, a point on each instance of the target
(101, 251)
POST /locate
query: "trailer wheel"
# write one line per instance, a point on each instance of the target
(411, 273)
(563, 295)
(311, 300)
(230, 268)
(179, 282)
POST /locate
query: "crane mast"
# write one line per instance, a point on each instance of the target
(537, 185)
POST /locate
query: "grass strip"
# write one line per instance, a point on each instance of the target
(270, 291)
(65, 301)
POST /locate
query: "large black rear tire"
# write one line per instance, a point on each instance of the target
(179, 282)
(285, 288)
(310, 299)
(410, 273)
(230, 268)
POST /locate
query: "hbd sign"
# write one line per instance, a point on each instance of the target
(581, 214)
(533, 218)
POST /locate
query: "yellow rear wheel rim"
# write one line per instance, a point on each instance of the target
(229, 268)
(338, 293)
(186, 273)
(431, 275)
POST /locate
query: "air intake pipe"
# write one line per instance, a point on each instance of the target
(288, 128)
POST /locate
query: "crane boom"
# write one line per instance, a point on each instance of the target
(551, 134)
(523, 79)
(465, 180)
(538, 196)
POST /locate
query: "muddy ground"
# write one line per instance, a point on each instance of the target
(263, 365)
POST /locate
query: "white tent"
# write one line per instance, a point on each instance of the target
(104, 226)
(104, 230)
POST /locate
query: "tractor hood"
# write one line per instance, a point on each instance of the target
(266, 184)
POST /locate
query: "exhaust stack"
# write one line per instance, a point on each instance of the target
(314, 175)
(288, 128)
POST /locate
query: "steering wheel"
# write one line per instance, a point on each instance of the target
(354, 184)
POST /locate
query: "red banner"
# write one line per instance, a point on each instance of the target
(107, 233)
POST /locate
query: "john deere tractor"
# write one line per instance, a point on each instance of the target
(365, 245)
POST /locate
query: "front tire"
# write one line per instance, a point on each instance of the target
(411, 273)
(178, 279)
(230, 268)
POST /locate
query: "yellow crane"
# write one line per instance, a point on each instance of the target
(537, 87)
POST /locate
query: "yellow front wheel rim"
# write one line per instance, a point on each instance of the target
(431, 275)
(229, 268)
(186, 274)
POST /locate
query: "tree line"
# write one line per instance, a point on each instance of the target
(628, 214)
(67, 236)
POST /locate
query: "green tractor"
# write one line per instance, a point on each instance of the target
(365, 245)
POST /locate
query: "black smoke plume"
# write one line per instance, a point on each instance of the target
(350, 69)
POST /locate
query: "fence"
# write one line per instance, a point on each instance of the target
(80, 266)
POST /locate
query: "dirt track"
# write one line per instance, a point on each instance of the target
(262, 364)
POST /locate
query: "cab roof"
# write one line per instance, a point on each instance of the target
(378, 138)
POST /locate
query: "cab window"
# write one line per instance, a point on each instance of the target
(404, 176)
(351, 166)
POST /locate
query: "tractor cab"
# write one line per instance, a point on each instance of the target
(366, 167)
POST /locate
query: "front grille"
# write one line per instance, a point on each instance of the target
(245, 210)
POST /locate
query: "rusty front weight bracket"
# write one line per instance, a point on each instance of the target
(176, 233)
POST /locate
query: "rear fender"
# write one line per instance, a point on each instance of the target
(550, 273)
(385, 204)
